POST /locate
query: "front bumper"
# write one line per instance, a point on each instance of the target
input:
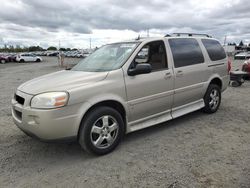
(52, 124)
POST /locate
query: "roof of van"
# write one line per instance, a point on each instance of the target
(160, 38)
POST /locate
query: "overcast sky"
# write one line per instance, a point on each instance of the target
(73, 22)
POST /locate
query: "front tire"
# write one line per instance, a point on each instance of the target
(38, 60)
(3, 61)
(101, 130)
(212, 99)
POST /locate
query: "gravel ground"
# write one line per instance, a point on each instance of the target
(196, 150)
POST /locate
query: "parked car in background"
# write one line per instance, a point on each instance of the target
(11, 57)
(246, 68)
(73, 54)
(52, 54)
(38, 53)
(79, 55)
(3, 59)
(123, 87)
(27, 57)
(242, 55)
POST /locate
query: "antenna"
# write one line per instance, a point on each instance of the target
(138, 38)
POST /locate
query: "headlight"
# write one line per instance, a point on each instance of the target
(50, 100)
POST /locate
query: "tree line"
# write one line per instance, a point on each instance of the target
(240, 44)
(18, 49)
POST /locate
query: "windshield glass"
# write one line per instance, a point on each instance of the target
(107, 58)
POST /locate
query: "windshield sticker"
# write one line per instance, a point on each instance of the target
(127, 46)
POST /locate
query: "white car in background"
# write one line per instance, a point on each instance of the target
(26, 57)
(242, 55)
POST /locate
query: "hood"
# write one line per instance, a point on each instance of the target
(61, 81)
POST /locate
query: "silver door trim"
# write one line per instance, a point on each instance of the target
(151, 97)
(194, 86)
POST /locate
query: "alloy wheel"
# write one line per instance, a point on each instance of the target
(214, 99)
(2, 61)
(104, 132)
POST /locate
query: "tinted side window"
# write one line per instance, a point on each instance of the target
(214, 49)
(186, 52)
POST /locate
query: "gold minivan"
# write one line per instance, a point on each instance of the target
(123, 87)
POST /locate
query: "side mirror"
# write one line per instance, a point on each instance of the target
(142, 68)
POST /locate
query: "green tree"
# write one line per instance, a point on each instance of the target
(35, 48)
(241, 43)
(62, 49)
(52, 48)
(18, 48)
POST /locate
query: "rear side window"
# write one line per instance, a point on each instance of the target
(214, 49)
(186, 52)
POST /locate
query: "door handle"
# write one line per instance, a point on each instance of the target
(167, 75)
(179, 73)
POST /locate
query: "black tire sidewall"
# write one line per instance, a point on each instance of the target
(87, 123)
(207, 107)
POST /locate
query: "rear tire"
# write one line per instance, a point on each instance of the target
(22, 61)
(101, 130)
(3, 61)
(212, 99)
(38, 60)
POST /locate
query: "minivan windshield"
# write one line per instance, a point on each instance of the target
(107, 58)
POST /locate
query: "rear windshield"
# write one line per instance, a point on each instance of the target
(214, 49)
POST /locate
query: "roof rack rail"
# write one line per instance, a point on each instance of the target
(188, 34)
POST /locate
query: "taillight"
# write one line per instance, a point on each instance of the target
(229, 65)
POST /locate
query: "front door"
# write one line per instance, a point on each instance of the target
(150, 94)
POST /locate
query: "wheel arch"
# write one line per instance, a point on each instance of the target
(109, 103)
(214, 79)
(217, 81)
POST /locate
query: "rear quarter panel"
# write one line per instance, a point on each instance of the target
(215, 69)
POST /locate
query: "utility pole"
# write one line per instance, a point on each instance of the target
(90, 42)
(59, 45)
(225, 40)
(147, 32)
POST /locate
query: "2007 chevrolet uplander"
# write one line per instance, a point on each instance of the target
(123, 87)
